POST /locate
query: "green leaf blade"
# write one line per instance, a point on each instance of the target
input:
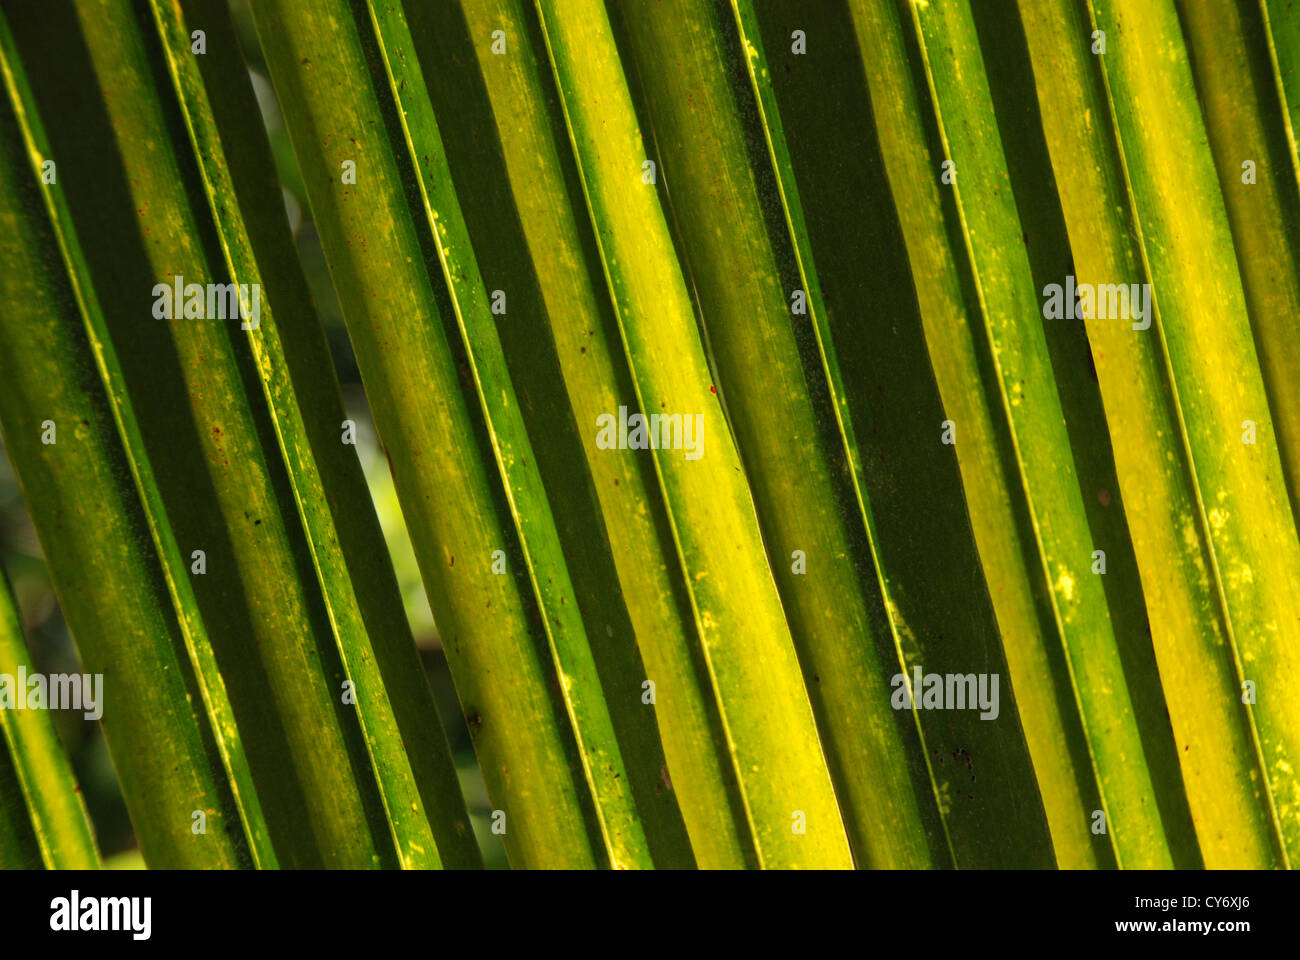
(223, 483)
(1011, 313)
(414, 784)
(390, 302)
(603, 764)
(174, 568)
(1216, 377)
(500, 125)
(765, 709)
(906, 482)
(1188, 627)
(108, 579)
(744, 281)
(59, 821)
